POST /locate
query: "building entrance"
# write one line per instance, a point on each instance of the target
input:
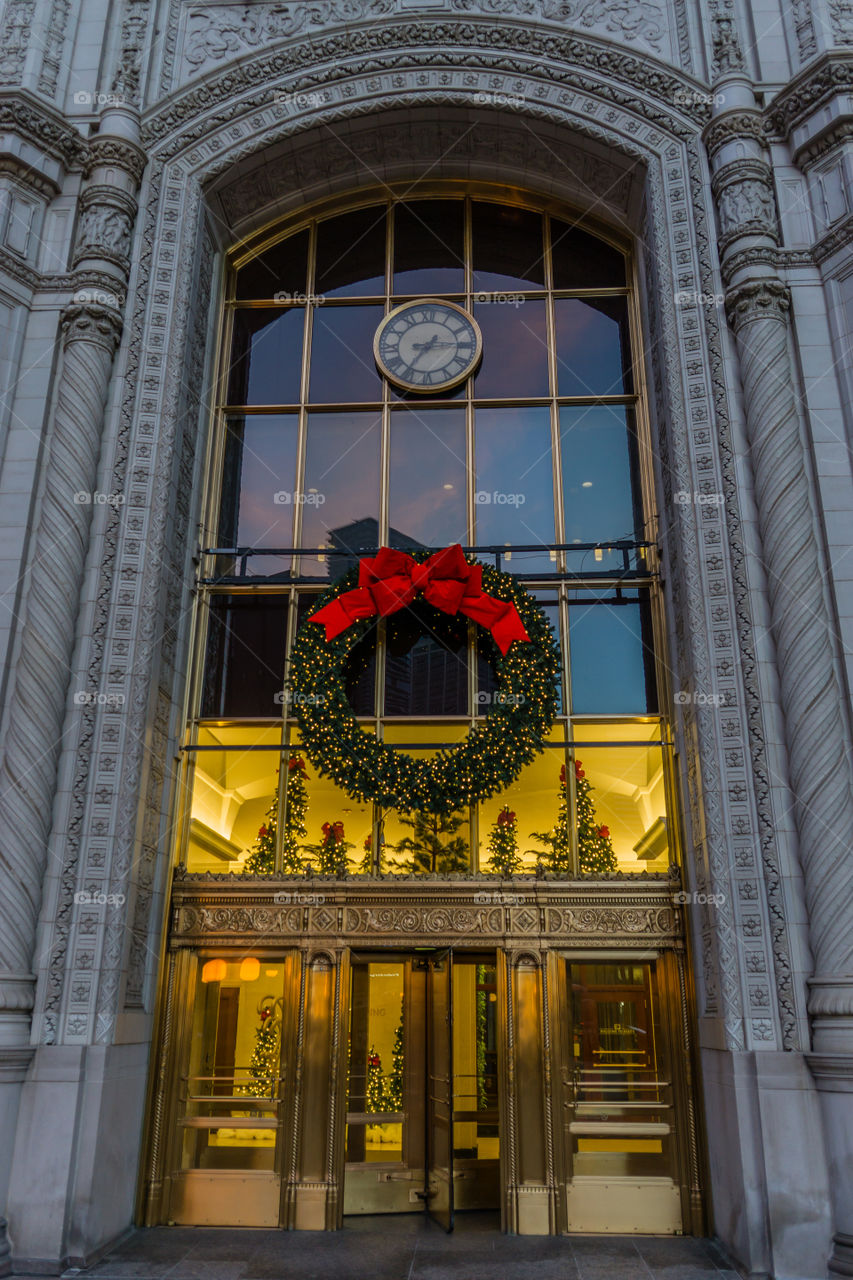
(423, 1112)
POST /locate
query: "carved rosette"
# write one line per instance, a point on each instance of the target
(811, 692)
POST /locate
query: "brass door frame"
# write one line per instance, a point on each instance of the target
(438, 1103)
(373, 955)
(675, 1049)
(320, 1197)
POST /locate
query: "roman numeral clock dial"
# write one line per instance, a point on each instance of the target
(428, 346)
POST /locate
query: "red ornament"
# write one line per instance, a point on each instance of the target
(604, 832)
(265, 1013)
(262, 831)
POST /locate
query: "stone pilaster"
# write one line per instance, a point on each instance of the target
(90, 330)
(758, 307)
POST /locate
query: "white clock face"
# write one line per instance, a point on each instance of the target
(428, 345)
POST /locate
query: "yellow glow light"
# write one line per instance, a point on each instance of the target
(213, 971)
(250, 969)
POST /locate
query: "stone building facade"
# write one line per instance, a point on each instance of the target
(149, 149)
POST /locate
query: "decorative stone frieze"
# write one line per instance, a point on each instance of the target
(43, 127)
(839, 237)
(828, 75)
(734, 126)
(745, 202)
(118, 153)
(352, 913)
(106, 223)
(213, 34)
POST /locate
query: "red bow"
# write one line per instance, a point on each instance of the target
(296, 762)
(506, 817)
(390, 581)
(332, 831)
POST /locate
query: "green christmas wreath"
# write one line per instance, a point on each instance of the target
(520, 712)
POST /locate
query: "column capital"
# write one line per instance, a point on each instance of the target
(91, 321)
(761, 298)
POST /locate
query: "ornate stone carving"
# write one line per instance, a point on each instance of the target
(117, 152)
(105, 227)
(54, 42)
(745, 201)
(28, 775)
(643, 22)
(29, 177)
(557, 911)
(804, 28)
(15, 38)
(839, 237)
(725, 41)
(44, 128)
(811, 694)
(126, 81)
(222, 139)
(560, 58)
(841, 16)
(224, 32)
(731, 127)
(831, 73)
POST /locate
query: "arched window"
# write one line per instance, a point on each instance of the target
(534, 461)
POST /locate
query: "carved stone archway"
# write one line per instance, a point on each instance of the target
(596, 127)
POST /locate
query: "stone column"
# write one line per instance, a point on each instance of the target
(90, 329)
(812, 693)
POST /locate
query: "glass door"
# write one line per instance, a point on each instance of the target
(422, 1085)
(619, 1102)
(230, 1090)
(440, 1090)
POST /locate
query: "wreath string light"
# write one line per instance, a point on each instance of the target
(519, 714)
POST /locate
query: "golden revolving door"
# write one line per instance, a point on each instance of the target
(422, 1096)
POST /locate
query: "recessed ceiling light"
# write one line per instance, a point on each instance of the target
(448, 486)
(587, 484)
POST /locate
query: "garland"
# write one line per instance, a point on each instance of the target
(508, 737)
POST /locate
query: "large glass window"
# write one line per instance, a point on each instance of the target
(534, 463)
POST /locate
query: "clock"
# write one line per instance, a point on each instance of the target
(428, 345)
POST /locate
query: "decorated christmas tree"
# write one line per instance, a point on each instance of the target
(434, 845)
(375, 1092)
(329, 857)
(365, 867)
(263, 1065)
(504, 857)
(394, 1084)
(261, 859)
(595, 847)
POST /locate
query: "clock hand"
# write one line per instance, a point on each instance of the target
(432, 345)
